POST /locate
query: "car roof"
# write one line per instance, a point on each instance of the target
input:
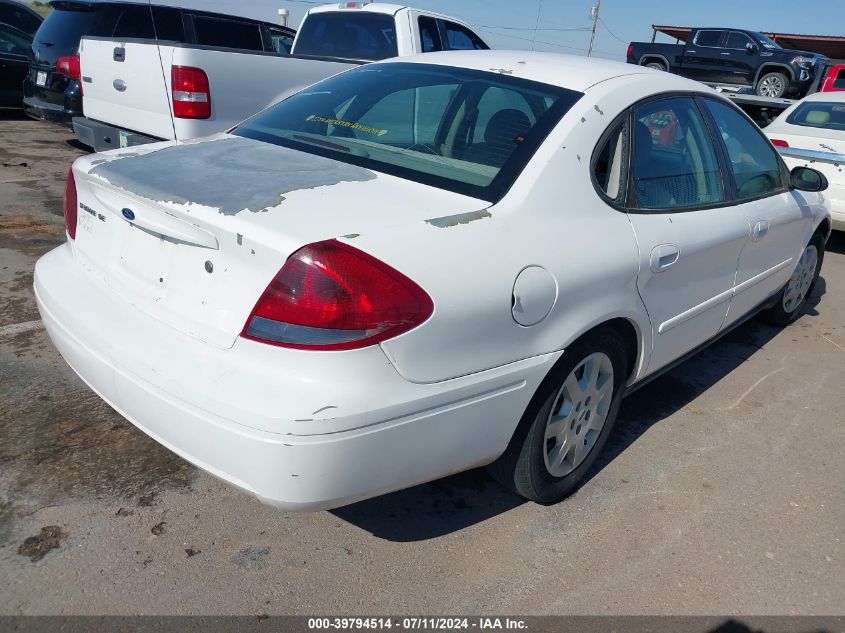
(372, 7)
(261, 10)
(566, 71)
(829, 97)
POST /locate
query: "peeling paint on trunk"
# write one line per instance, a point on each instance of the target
(231, 174)
(460, 218)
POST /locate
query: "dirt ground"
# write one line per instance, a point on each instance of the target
(722, 492)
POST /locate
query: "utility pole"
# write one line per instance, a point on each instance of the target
(595, 16)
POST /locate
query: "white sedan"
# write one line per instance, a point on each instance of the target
(811, 133)
(423, 266)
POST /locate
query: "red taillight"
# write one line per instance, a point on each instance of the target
(69, 66)
(779, 143)
(330, 296)
(191, 93)
(630, 53)
(70, 205)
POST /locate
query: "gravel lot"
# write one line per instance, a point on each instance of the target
(723, 491)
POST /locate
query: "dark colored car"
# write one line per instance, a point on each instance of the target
(15, 52)
(19, 16)
(735, 57)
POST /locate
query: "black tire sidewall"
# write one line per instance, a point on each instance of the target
(543, 486)
(777, 314)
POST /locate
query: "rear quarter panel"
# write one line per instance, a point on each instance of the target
(551, 218)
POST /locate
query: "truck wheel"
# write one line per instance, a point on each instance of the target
(772, 85)
(655, 65)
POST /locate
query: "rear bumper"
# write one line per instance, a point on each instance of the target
(102, 136)
(373, 433)
(43, 110)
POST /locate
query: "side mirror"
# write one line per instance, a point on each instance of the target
(806, 179)
(751, 48)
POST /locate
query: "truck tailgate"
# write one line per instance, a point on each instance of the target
(124, 85)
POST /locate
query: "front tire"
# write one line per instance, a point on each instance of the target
(792, 299)
(772, 85)
(568, 421)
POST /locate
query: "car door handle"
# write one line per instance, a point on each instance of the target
(664, 256)
(724, 53)
(761, 229)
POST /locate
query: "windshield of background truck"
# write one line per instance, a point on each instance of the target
(462, 130)
(348, 34)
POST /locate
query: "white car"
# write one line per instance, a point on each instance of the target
(811, 133)
(423, 266)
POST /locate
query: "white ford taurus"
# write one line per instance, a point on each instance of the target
(420, 267)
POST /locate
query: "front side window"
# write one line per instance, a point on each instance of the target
(738, 41)
(461, 130)
(610, 168)
(754, 161)
(19, 18)
(674, 161)
(709, 38)
(348, 34)
(829, 116)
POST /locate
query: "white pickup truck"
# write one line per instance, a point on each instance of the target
(204, 73)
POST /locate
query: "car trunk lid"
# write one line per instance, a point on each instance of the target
(192, 234)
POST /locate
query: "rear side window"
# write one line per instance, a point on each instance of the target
(62, 29)
(228, 34)
(348, 34)
(168, 24)
(429, 35)
(19, 18)
(459, 38)
(839, 82)
(282, 41)
(754, 161)
(611, 169)
(709, 38)
(13, 42)
(674, 164)
(135, 22)
(829, 116)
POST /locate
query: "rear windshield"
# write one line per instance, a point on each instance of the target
(63, 28)
(462, 130)
(828, 116)
(348, 34)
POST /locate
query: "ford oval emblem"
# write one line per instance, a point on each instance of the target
(129, 214)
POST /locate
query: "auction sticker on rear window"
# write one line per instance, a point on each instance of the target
(375, 131)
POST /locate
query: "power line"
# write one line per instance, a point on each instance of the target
(612, 34)
(528, 28)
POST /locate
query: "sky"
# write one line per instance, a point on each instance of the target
(511, 23)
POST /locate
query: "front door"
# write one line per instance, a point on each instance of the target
(689, 242)
(779, 221)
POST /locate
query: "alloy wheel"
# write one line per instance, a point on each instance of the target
(801, 280)
(578, 415)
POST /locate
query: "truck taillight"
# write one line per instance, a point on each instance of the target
(629, 54)
(331, 296)
(779, 143)
(191, 93)
(69, 66)
(71, 205)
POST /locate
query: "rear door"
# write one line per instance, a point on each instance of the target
(122, 77)
(689, 238)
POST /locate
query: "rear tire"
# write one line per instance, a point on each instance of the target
(656, 66)
(792, 299)
(568, 420)
(774, 85)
